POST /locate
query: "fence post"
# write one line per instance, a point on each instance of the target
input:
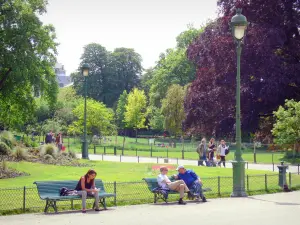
(120, 158)
(115, 192)
(219, 185)
(68, 143)
(157, 159)
(272, 157)
(24, 199)
(95, 149)
(151, 151)
(138, 159)
(247, 182)
(104, 150)
(115, 150)
(290, 180)
(266, 182)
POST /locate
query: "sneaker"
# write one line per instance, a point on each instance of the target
(83, 211)
(181, 202)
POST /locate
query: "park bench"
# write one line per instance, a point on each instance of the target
(50, 192)
(152, 185)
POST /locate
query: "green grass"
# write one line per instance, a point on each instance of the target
(130, 188)
(108, 171)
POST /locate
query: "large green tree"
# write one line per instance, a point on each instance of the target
(100, 119)
(173, 67)
(286, 128)
(121, 109)
(173, 110)
(136, 110)
(27, 58)
(110, 72)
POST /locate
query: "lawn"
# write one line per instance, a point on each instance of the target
(107, 171)
(129, 187)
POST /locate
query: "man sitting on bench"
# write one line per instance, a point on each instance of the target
(193, 182)
(164, 182)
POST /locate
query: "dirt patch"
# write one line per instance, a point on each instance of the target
(10, 173)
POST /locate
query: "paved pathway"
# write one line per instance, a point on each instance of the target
(118, 158)
(273, 209)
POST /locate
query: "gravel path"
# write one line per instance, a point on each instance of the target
(118, 158)
(273, 209)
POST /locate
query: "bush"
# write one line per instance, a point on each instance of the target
(8, 138)
(48, 157)
(30, 143)
(49, 149)
(4, 166)
(72, 155)
(4, 149)
(20, 153)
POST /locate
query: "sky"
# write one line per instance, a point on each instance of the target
(148, 26)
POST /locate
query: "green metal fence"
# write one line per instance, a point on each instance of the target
(26, 199)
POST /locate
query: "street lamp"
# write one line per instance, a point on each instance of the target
(238, 26)
(85, 72)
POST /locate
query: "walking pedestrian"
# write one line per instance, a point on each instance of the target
(222, 152)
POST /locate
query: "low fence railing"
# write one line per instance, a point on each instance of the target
(26, 199)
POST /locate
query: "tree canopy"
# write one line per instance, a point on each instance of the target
(27, 58)
(270, 65)
(110, 72)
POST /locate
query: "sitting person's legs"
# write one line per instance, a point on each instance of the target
(96, 196)
(179, 186)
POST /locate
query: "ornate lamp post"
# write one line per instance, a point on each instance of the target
(85, 72)
(238, 26)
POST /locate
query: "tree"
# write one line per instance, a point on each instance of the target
(269, 63)
(172, 109)
(173, 67)
(100, 119)
(27, 58)
(156, 118)
(110, 73)
(286, 128)
(136, 110)
(121, 109)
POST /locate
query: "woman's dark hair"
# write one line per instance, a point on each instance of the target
(90, 172)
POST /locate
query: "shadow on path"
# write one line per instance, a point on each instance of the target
(277, 203)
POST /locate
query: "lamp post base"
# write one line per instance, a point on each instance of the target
(238, 168)
(84, 150)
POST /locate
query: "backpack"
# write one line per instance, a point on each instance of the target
(227, 151)
(67, 192)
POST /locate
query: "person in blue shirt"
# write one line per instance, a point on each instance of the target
(192, 180)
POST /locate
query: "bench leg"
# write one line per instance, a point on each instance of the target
(50, 203)
(103, 203)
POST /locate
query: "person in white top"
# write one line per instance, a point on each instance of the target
(222, 148)
(180, 186)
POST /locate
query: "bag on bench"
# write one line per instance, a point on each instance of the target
(67, 192)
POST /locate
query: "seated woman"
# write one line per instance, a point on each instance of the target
(86, 187)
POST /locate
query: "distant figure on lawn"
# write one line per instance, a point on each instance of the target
(222, 151)
(86, 187)
(48, 138)
(192, 180)
(211, 152)
(165, 183)
(59, 141)
(202, 151)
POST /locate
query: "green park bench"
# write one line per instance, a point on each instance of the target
(152, 184)
(50, 192)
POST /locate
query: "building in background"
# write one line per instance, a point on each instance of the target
(62, 79)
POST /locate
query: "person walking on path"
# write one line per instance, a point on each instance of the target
(86, 187)
(222, 151)
(202, 151)
(59, 141)
(179, 185)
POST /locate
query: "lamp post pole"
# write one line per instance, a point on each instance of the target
(238, 25)
(85, 153)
